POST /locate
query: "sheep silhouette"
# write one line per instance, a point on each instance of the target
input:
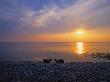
(47, 60)
(59, 61)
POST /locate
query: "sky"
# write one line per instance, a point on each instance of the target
(54, 20)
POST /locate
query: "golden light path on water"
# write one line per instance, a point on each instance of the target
(80, 48)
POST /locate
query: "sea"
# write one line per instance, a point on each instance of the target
(37, 51)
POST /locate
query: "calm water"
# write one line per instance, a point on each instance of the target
(38, 51)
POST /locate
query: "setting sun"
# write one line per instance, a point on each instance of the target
(80, 32)
(80, 35)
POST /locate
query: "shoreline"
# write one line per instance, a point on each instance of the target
(54, 72)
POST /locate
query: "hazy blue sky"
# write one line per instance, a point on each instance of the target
(37, 18)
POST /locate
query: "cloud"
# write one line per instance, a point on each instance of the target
(55, 19)
(52, 16)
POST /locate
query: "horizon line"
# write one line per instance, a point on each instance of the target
(55, 42)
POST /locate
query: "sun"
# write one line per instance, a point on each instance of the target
(80, 35)
(80, 32)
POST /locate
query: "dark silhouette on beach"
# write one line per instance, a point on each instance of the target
(59, 61)
(101, 55)
(47, 60)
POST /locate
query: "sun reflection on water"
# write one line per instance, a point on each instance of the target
(80, 48)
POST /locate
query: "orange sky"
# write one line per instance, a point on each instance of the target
(55, 21)
(66, 37)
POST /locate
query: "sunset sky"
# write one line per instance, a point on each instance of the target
(54, 20)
